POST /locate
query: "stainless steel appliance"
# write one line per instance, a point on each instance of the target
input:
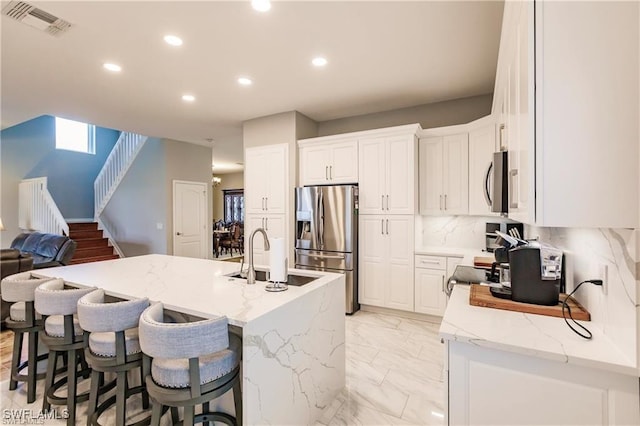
(327, 234)
(499, 196)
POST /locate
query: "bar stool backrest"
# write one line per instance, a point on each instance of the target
(51, 298)
(96, 316)
(181, 340)
(21, 287)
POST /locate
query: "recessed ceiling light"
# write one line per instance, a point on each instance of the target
(188, 98)
(245, 81)
(261, 5)
(173, 40)
(112, 67)
(319, 61)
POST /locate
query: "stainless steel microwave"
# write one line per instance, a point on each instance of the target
(499, 196)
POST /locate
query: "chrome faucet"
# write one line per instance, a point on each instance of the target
(251, 272)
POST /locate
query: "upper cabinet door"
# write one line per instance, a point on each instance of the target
(371, 155)
(400, 175)
(431, 184)
(314, 164)
(481, 149)
(277, 162)
(344, 165)
(255, 184)
(456, 174)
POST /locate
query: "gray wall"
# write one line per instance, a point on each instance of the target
(189, 162)
(27, 150)
(140, 203)
(144, 200)
(447, 113)
(228, 181)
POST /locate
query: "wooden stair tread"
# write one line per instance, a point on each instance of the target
(94, 259)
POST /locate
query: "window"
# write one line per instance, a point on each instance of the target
(75, 136)
(233, 205)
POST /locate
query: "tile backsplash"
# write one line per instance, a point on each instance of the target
(587, 252)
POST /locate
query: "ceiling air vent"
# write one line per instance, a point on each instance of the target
(37, 18)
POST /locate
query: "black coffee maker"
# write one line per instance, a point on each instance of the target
(536, 273)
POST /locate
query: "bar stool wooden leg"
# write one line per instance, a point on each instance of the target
(50, 376)
(188, 415)
(97, 378)
(145, 394)
(156, 413)
(121, 387)
(237, 400)
(205, 409)
(175, 416)
(32, 369)
(15, 361)
(72, 381)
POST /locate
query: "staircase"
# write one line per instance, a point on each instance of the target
(92, 245)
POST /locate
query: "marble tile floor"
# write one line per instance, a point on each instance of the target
(394, 376)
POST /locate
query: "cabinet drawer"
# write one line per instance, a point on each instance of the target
(431, 262)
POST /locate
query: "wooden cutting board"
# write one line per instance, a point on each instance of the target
(483, 262)
(480, 295)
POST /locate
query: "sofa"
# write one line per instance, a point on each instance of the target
(47, 250)
(34, 250)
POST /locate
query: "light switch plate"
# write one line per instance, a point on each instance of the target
(159, 226)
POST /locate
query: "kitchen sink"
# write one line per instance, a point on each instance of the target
(295, 280)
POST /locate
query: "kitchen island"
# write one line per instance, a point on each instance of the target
(293, 361)
(507, 368)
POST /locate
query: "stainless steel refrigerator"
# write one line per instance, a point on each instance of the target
(327, 234)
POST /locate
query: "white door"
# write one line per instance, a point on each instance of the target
(456, 174)
(314, 165)
(429, 291)
(481, 148)
(400, 258)
(400, 171)
(373, 260)
(190, 233)
(344, 162)
(431, 195)
(371, 153)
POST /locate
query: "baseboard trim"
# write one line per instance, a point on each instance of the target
(403, 314)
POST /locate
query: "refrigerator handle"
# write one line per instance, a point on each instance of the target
(321, 219)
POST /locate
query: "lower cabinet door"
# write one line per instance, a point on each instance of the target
(429, 291)
(398, 235)
(373, 262)
(534, 391)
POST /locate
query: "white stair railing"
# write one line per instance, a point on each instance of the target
(115, 168)
(36, 209)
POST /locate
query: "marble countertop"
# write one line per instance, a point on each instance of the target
(465, 253)
(193, 286)
(529, 334)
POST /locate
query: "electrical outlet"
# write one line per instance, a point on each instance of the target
(603, 274)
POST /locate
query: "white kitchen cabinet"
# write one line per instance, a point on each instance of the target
(444, 171)
(273, 224)
(482, 145)
(387, 175)
(266, 179)
(492, 387)
(386, 261)
(431, 275)
(323, 163)
(573, 141)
